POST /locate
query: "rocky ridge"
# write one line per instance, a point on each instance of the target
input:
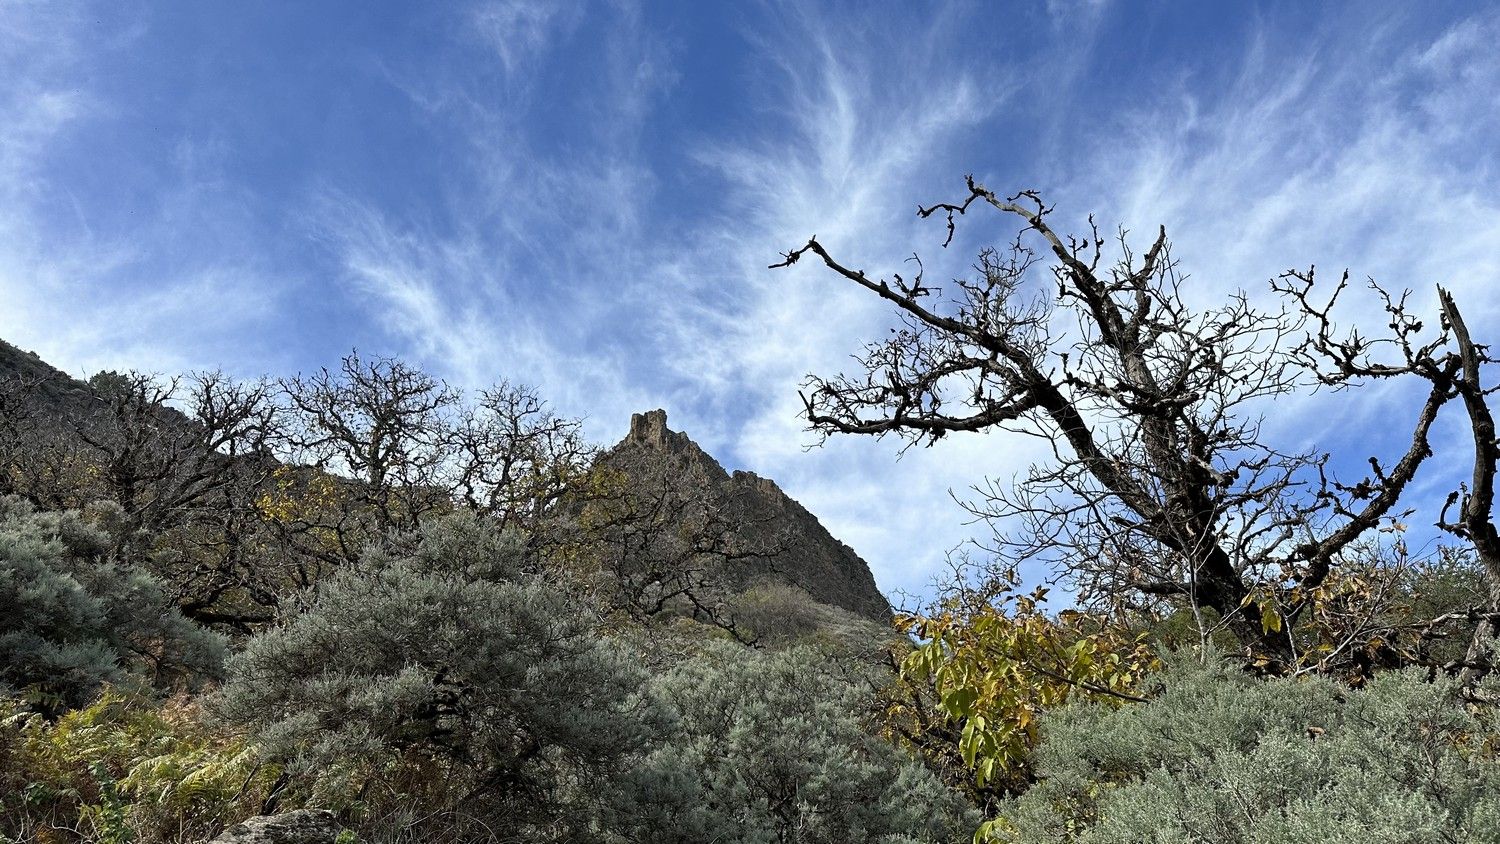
(51, 390)
(771, 536)
(799, 549)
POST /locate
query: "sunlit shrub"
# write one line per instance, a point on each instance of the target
(986, 670)
(1222, 756)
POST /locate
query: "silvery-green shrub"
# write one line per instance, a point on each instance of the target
(440, 670)
(73, 618)
(774, 746)
(1220, 756)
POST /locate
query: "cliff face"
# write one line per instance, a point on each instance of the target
(770, 536)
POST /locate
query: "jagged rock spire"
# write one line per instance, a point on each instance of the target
(649, 427)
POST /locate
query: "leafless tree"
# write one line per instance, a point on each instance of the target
(514, 458)
(1162, 489)
(179, 463)
(163, 448)
(662, 547)
(30, 460)
(377, 434)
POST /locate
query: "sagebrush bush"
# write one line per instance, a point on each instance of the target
(776, 746)
(1225, 757)
(72, 618)
(442, 691)
(440, 674)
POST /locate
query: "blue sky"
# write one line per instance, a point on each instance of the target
(585, 196)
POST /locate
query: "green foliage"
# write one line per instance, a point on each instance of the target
(441, 692)
(1449, 583)
(777, 747)
(437, 673)
(993, 667)
(1222, 756)
(73, 618)
(123, 769)
(109, 817)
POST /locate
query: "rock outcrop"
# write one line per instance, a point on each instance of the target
(771, 536)
(761, 535)
(303, 826)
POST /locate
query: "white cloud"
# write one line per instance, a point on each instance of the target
(619, 316)
(856, 144)
(86, 299)
(1313, 159)
(518, 31)
(520, 275)
(1365, 154)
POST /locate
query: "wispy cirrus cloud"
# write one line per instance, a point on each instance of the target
(567, 272)
(854, 143)
(649, 307)
(503, 281)
(68, 275)
(1360, 154)
(518, 31)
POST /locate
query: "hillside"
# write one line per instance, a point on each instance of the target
(769, 535)
(48, 389)
(762, 535)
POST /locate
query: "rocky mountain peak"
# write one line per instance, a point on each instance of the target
(798, 549)
(649, 427)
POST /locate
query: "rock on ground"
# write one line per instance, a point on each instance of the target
(303, 826)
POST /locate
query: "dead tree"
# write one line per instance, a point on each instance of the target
(31, 459)
(514, 458)
(373, 438)
(1476, 500)
(659, 548)
(185, 459)
(1161, 489)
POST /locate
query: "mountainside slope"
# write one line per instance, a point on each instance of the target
(49, 390)
(770, 536)
(754, 533)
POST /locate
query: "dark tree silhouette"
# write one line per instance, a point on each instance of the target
(1162, 490)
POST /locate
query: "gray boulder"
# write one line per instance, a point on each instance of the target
(303, 826)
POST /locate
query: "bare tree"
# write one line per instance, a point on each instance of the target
(1476, 500)
(33, 462)
(378, 435)
(172, 466)
(160, 464)
(514, 458)
(1162, 489)
(663, 547)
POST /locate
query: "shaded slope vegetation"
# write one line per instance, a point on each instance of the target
(758, 533)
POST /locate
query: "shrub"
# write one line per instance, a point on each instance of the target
(1221, 756)
(775, 613)
(73, 618)
(438, 675)
(442, 692)
(775, 747)
(990, 665)
(123, 769)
